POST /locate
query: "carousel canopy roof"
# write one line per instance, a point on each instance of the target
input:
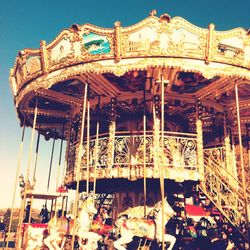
(196, 63)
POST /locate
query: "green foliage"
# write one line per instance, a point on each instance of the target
(6, 221)
(6, 218)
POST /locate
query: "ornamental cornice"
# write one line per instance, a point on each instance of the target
(48, 113)
(151, 42)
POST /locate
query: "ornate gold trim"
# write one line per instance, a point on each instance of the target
(117, 41)
(209, 43)
(227, 52)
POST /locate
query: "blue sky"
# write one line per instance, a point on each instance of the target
(24, 23)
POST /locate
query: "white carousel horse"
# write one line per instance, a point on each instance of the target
(33, 238)
(59, 227)
(149, 228)
(84, 222)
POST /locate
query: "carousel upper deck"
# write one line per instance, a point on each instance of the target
(158, 92)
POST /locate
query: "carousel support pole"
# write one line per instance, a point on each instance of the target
(79, 157)
(27, 173)
(242, 161)
(16, 181)
(229, 153)
(161, 161)
(248, 148)
(226, 140)
(96, 144)
(200, 159)
(60, 159)
(144, 154)
(51, 208)
(88, 147)
(111, 142)
(51, 161)
(66, 204)
(36, 157)
(158, 160)
(66, 162)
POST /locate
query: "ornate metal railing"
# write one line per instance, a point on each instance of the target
(225, 191)
(215, 160)
(179, 157)
(216, 154)
(181, 151)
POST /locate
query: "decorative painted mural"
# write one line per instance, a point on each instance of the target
(231, 46)
(96, 44)
(185, 38)
(33, 64)
(61, 50)
(149, 39)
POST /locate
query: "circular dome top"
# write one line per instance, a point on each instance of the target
(195, 62)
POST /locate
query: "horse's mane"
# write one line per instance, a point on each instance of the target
(136, 212)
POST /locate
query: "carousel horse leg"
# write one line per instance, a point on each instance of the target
(170, 238)
(63, 243)
(51, 243)
(55, 244)
(124, 239)
(92, 239)
(80, 239)
(47, 243)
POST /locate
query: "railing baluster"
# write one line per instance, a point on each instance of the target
(227, 196)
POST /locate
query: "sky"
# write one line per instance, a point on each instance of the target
(23, 24)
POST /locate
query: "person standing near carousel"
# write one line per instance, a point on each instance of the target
(27, 214)
(44, 214)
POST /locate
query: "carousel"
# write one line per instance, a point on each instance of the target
(146, 112)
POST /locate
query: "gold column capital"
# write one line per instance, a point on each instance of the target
(44, 56)
(117, 41)
(209, 43)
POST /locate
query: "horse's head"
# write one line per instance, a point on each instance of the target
(119, 223)
(104, 213)
(89, 205)
(168, 210)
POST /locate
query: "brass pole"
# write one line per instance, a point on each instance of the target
(27, 173)
(51, 161)
(96, 145)
(144, 155)
(60, 160)
(248, 149)
(36, 157)
(88, 146)
(96, 155)
(162, 163)
(157, 148)
(111, 141)
(79, 157)
(15, 185)
(66, 162)
(200, 156)
(241, 159)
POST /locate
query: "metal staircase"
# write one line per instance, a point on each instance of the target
(225, 191)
